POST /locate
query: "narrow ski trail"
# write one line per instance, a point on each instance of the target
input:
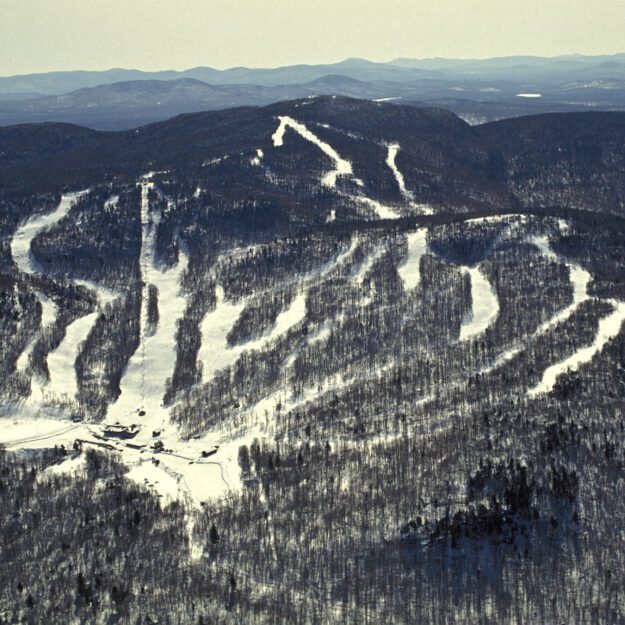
(342, 167)
(408, 196)
(393, 150)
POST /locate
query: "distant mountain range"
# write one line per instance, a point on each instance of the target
(526, 68)
(477, 90)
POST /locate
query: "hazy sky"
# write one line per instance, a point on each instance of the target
(45, 35)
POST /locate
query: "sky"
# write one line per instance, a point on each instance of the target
(47, 35)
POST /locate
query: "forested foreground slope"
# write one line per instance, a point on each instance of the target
(328, 361)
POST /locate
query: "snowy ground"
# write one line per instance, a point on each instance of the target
(181, 473)
(26, 263)
(256, 160)
(609, 326)
(215, 353)
(579, 279)
(343, 167)
(27, 431)
(393, 150)
(360, 272)
(49, 312)
(383, 211)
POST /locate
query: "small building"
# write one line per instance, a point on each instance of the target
(121, 431)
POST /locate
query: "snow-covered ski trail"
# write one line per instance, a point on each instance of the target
(342, 167)
(215, 353)
(408, 196)
(383, 211)
(63, 382)
(144, 381)
(410, 270)
(609, 328)
(49, 312)
(21, 242)
(393, 149)
(484, 306)
(25, 261)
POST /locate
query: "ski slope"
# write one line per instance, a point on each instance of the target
(215, 353)
(342, 167)
(410, 270)
(63, 382)
(21, 242)
(484, 306)
(144, 381)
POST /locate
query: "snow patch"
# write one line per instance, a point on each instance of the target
(360, 273)
(258, 158)
(70, 466)
(49, 312)
(213, 352)
(111, 202)
(383, 211)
